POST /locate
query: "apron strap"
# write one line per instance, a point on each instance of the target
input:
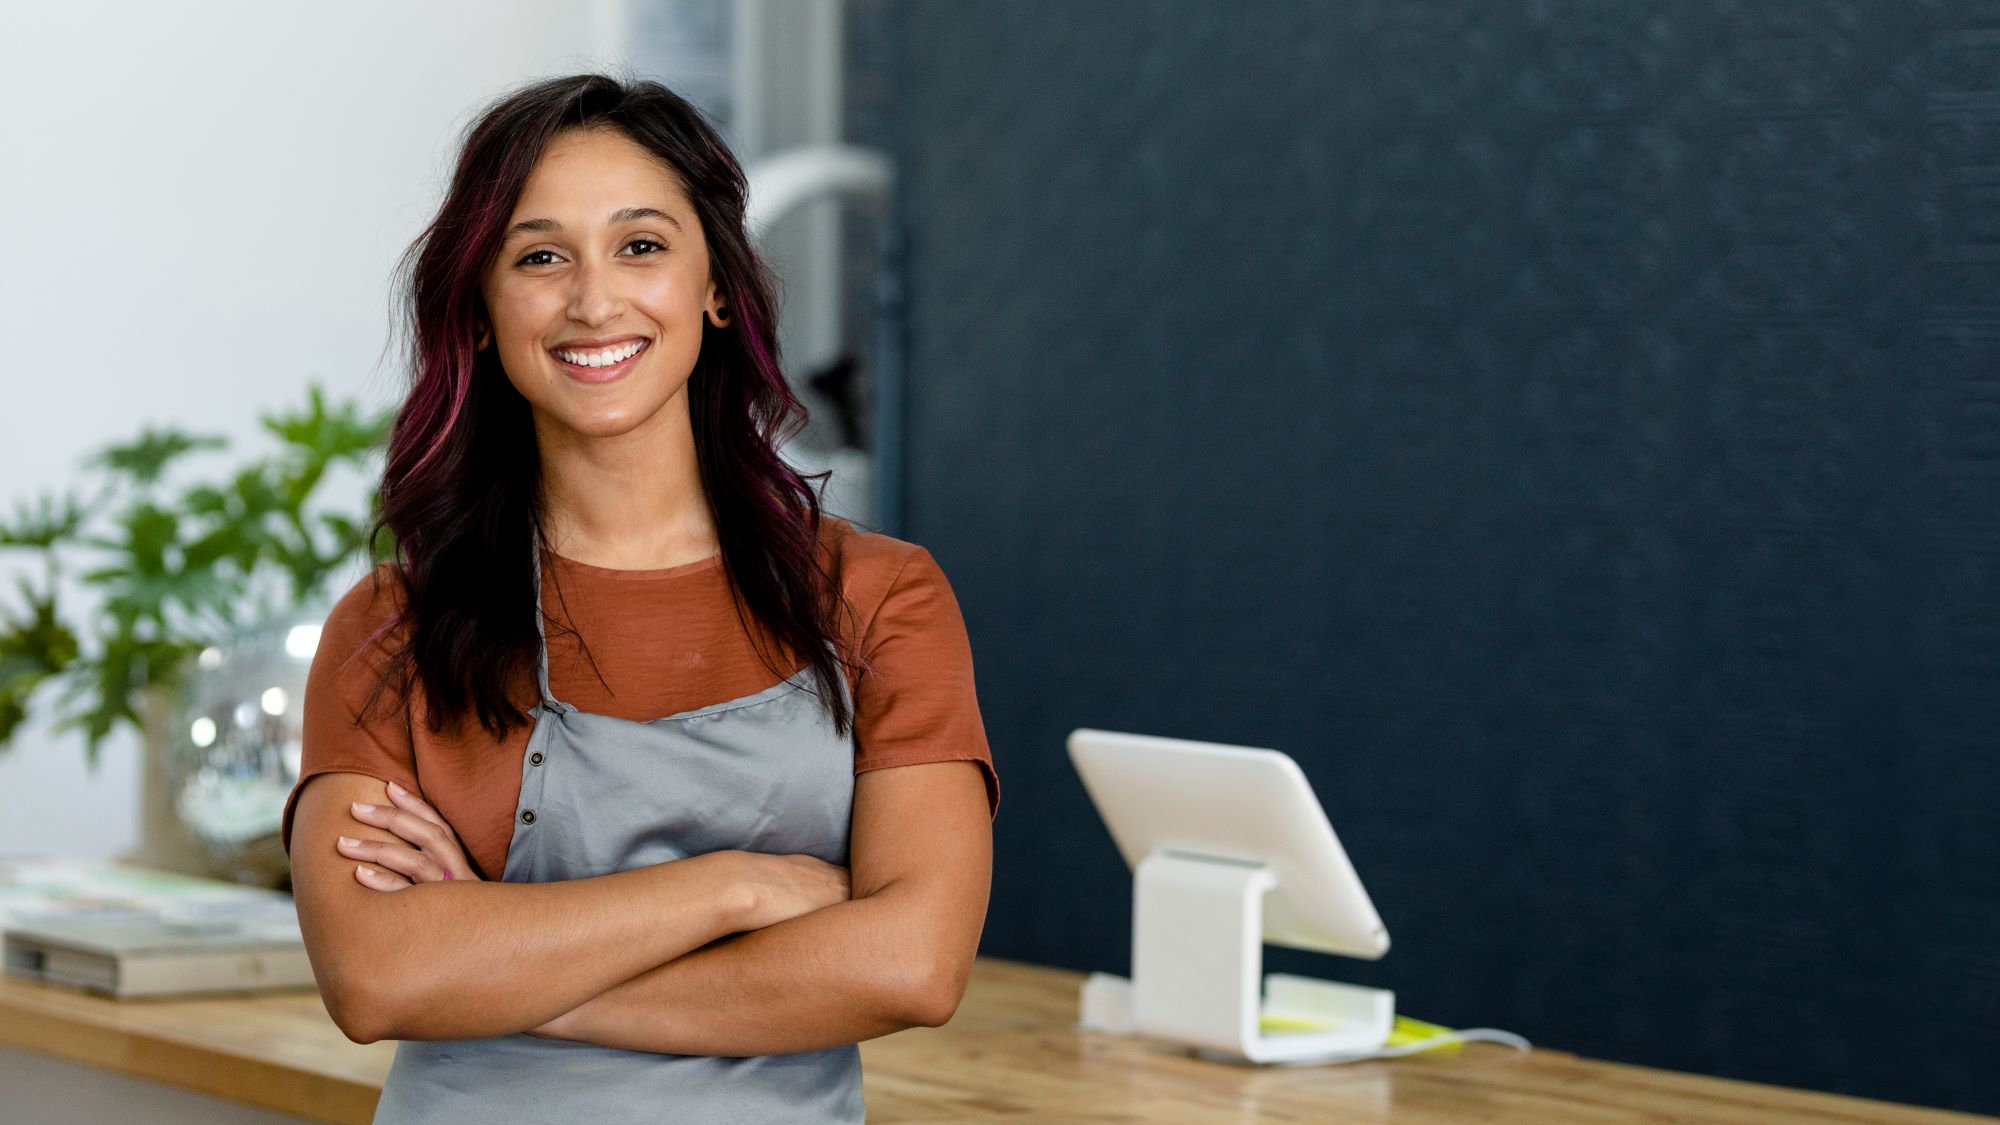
(549, 701)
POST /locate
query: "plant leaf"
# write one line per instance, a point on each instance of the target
(143, 461)
(44, 522)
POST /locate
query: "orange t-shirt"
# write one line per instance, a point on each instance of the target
(664, 641)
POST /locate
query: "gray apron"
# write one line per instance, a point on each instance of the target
(599, 794)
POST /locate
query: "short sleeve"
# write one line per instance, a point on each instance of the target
(916, 701)
(345, 668)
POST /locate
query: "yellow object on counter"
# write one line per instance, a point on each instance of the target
(1403, 1033)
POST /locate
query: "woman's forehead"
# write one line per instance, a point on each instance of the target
(592, 174)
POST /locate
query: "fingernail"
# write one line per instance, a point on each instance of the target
(363, 808)
(346, 842)
(395, 788)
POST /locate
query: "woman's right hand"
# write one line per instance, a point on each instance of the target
(786, 886)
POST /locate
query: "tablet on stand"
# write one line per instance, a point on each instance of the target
(1229, 848)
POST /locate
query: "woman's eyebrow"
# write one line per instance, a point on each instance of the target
(622, 215)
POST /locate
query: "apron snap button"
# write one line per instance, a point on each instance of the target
(527, 816)
(535, 759)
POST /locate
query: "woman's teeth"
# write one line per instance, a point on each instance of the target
(604, 358)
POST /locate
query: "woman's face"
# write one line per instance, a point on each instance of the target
(602, 254)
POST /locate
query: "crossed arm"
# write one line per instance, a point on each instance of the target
(920, 859)
(624, 960)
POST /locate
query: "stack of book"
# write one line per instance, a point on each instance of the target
(128, 931)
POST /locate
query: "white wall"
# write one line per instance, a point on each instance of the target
(201, 205)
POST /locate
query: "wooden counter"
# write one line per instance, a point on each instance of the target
(1012, 1053)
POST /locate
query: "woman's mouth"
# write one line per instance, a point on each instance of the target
(600, 365)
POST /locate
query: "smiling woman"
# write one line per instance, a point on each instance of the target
(633, 780)
(640, 255)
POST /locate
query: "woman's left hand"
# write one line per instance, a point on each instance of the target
(431, 854)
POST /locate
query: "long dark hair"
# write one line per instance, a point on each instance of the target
(461, 489)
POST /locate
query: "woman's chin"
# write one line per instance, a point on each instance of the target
(608, 420)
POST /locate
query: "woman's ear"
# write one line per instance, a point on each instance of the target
(718, 311)
(485, 337)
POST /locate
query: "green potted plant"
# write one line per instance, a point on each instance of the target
(177, 570)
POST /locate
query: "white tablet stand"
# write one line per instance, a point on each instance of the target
(1197, 968)
(1229, 848)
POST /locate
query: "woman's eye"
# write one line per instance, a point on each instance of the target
(528, 260)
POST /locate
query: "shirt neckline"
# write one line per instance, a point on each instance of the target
(618, 575)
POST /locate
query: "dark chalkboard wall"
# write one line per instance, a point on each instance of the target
(1570, 429)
